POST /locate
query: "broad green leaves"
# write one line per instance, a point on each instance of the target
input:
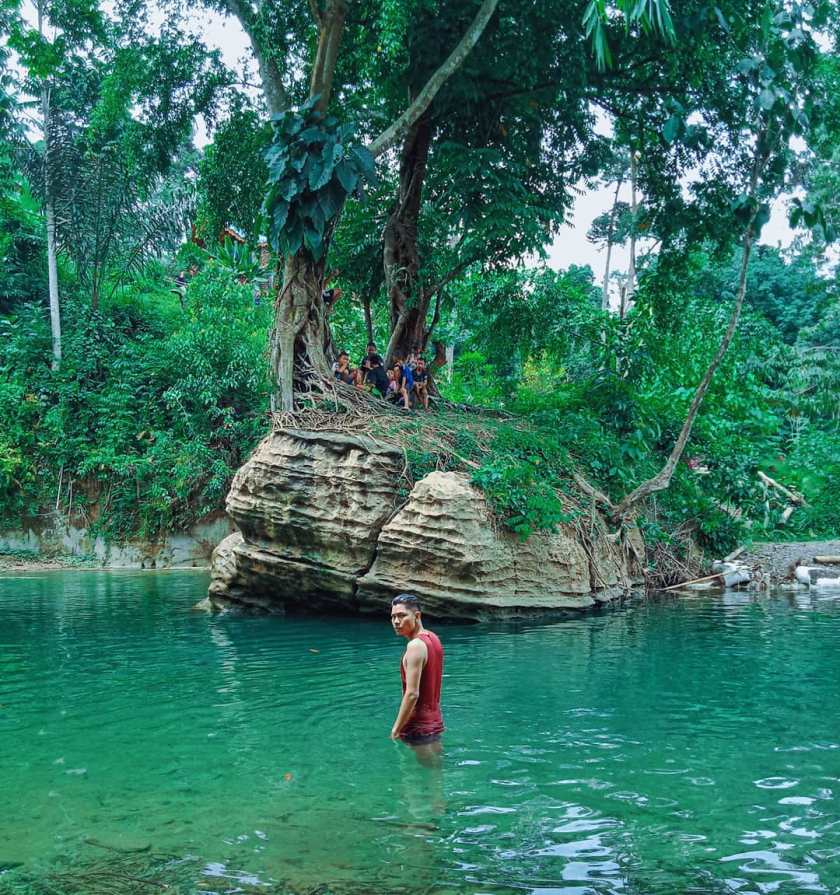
(812, 215)
(312, 168)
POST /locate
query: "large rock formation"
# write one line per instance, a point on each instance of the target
(325, 523)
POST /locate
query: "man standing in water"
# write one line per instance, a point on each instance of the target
(419, 722)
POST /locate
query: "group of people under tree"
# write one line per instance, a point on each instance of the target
(405, 383)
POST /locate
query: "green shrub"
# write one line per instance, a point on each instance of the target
(153, 409)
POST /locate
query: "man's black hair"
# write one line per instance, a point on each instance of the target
(407, 600)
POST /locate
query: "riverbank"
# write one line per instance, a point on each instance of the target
(10, 563)
(776, 559)
(23, 562)
(57, 543)
(773, 559)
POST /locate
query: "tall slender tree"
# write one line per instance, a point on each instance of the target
(776, 88)
(49, 204)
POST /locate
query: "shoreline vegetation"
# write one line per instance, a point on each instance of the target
(144, 426)
(148, 335)
(540, 447)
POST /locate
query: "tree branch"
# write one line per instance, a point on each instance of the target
(662, 479)
(424, 99)
(272, 80)
(316, 13)
(329, 40)
(435, 315)
(448, 278)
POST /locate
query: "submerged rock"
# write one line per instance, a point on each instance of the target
(323, 526)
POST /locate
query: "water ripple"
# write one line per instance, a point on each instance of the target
(668, 746)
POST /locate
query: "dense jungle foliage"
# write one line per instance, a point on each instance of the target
(168, 293)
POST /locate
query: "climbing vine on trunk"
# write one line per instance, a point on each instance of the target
(300, 338)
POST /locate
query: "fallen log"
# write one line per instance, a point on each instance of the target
(693, 581)
(793, 496)
(727, 578)
(828, 560)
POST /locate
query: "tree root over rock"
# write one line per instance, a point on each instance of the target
(454, 440)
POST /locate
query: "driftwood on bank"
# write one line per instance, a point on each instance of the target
(829, 560)
(793, 496)
(727, 574)
(692, 581)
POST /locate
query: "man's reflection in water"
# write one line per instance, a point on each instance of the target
(419, 849)
(430, 755)
(421, 778)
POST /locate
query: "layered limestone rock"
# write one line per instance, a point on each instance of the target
(443, 546)
(309, 507)
(321, 528)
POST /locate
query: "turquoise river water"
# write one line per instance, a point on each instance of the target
(674, 745)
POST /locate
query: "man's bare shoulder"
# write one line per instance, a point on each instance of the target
(416, 647)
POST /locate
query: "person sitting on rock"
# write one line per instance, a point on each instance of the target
(344, 372)
(370, 359)
(373, 370)
(392, 393)
(421, 383)
(407, 379)
(397, 376)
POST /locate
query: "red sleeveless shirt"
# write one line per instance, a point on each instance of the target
(427, 718)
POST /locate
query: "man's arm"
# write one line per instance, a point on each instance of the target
(415, 659)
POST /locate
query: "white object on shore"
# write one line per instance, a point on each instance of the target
(736, 576)
(731, 573)
(807, 575)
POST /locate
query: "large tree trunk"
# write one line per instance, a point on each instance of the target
(49, 206)
(300, 341)
(409, 301)
(301, 329)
